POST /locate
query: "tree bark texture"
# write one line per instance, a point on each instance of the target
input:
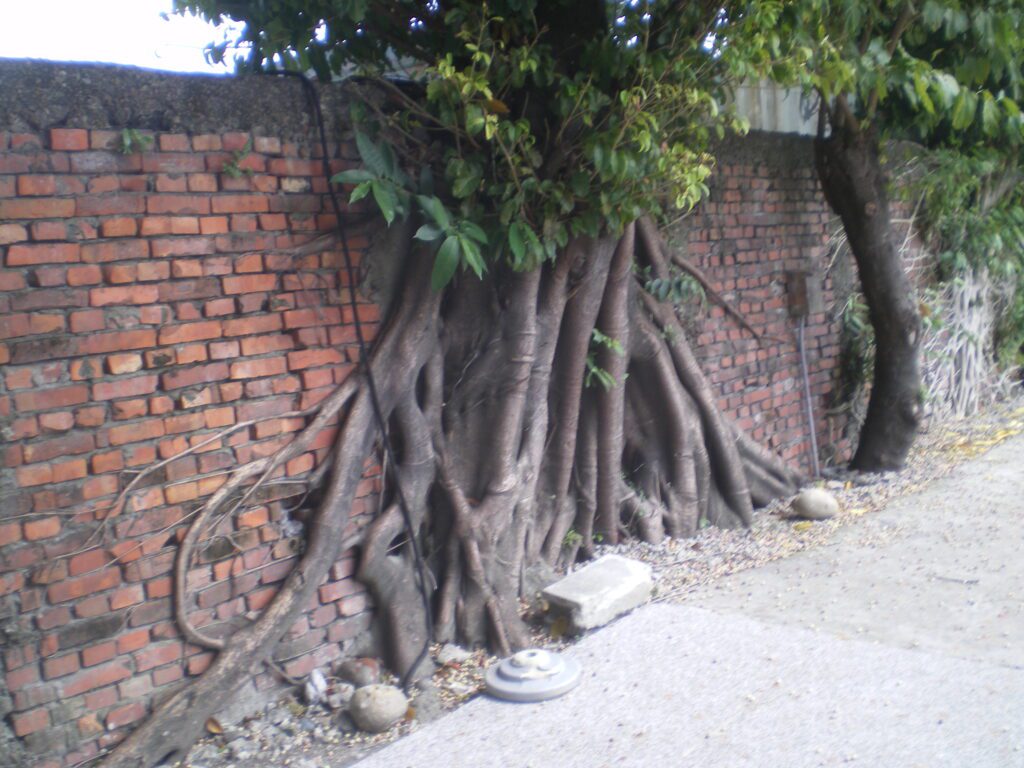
(510, 463)
(854, 184)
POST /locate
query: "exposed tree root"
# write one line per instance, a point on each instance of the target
(511, 464)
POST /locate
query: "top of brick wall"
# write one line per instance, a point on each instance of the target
(38, 95)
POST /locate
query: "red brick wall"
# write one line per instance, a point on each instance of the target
(147, 303)
(150, 301)
(766, 216)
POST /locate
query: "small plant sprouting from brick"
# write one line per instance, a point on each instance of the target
(132, 141)
(233, 168)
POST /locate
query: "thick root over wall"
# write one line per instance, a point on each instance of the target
(510, 464)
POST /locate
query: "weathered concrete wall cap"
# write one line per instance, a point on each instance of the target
(38, 95)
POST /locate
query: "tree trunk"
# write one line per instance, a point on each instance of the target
(854, 184)
(509, 462)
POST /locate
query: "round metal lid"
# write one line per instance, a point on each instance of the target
(533, 675)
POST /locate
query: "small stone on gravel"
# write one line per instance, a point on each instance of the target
(375, 708)
(815, 504)
(452, 653)
(360, 672)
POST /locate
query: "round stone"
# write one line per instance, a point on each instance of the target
(815, 504)
(375, 708)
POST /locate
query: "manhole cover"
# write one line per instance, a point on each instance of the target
(533, 675)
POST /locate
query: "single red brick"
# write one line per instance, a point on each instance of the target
(91, 583)
(251, 262)
(249, 369)
(45, 253)
(57, 422)
(99, 653)
(246, 326)
(46, 323)
(213, 225)
(90, 417)
(37, 208)
(130, 409)
(37, 184)
(137, 385)
(87, 320)
(88, 274)
(97, 487)
(97, 677)
(119, 227)
(125, 715)
(240, 204)
(124, 363)
(115, 250)
(47, 399)
(117, 341)
(60, 666)
(177, 204)
(133, 641)
(133, 433)
(309, 358)
(136, 294)
(224, 350)
(250, 283)
(9, 533)
(29, 722)
(178, 334)
(44, 528)
(12, 233)
(156, 656)
(69, 470)
(69, 139)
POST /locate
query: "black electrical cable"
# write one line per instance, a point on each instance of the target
(318, 117)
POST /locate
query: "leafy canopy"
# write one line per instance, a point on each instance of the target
(512, 126)
(937, 72)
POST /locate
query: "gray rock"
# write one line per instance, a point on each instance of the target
(344, 723)
(360, 672)
(601, 591)
(243, 749)
(451, 653)
(339, 695)
(375, 708)
(815, 504)
(315, 689)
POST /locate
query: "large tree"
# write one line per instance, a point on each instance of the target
(939, 72)
(536, 382)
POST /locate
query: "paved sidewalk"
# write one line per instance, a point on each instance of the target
(906, 653)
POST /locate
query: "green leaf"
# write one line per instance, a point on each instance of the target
(471, 254)
(516, 243)
(467, 182)
(434, 208)
(374, 156)
(354, 176)
(445, 263)
(428, 233)
(474, 231)
(361, 191)
(385, 200)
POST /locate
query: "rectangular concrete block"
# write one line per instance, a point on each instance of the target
(601, 591)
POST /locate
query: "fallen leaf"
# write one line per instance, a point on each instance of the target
(214, 726)
(806, 525)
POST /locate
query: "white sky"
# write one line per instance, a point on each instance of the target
(113, 31)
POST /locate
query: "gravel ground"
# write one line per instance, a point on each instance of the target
(287, 733)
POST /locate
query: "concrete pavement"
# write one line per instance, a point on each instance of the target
(904, 650)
